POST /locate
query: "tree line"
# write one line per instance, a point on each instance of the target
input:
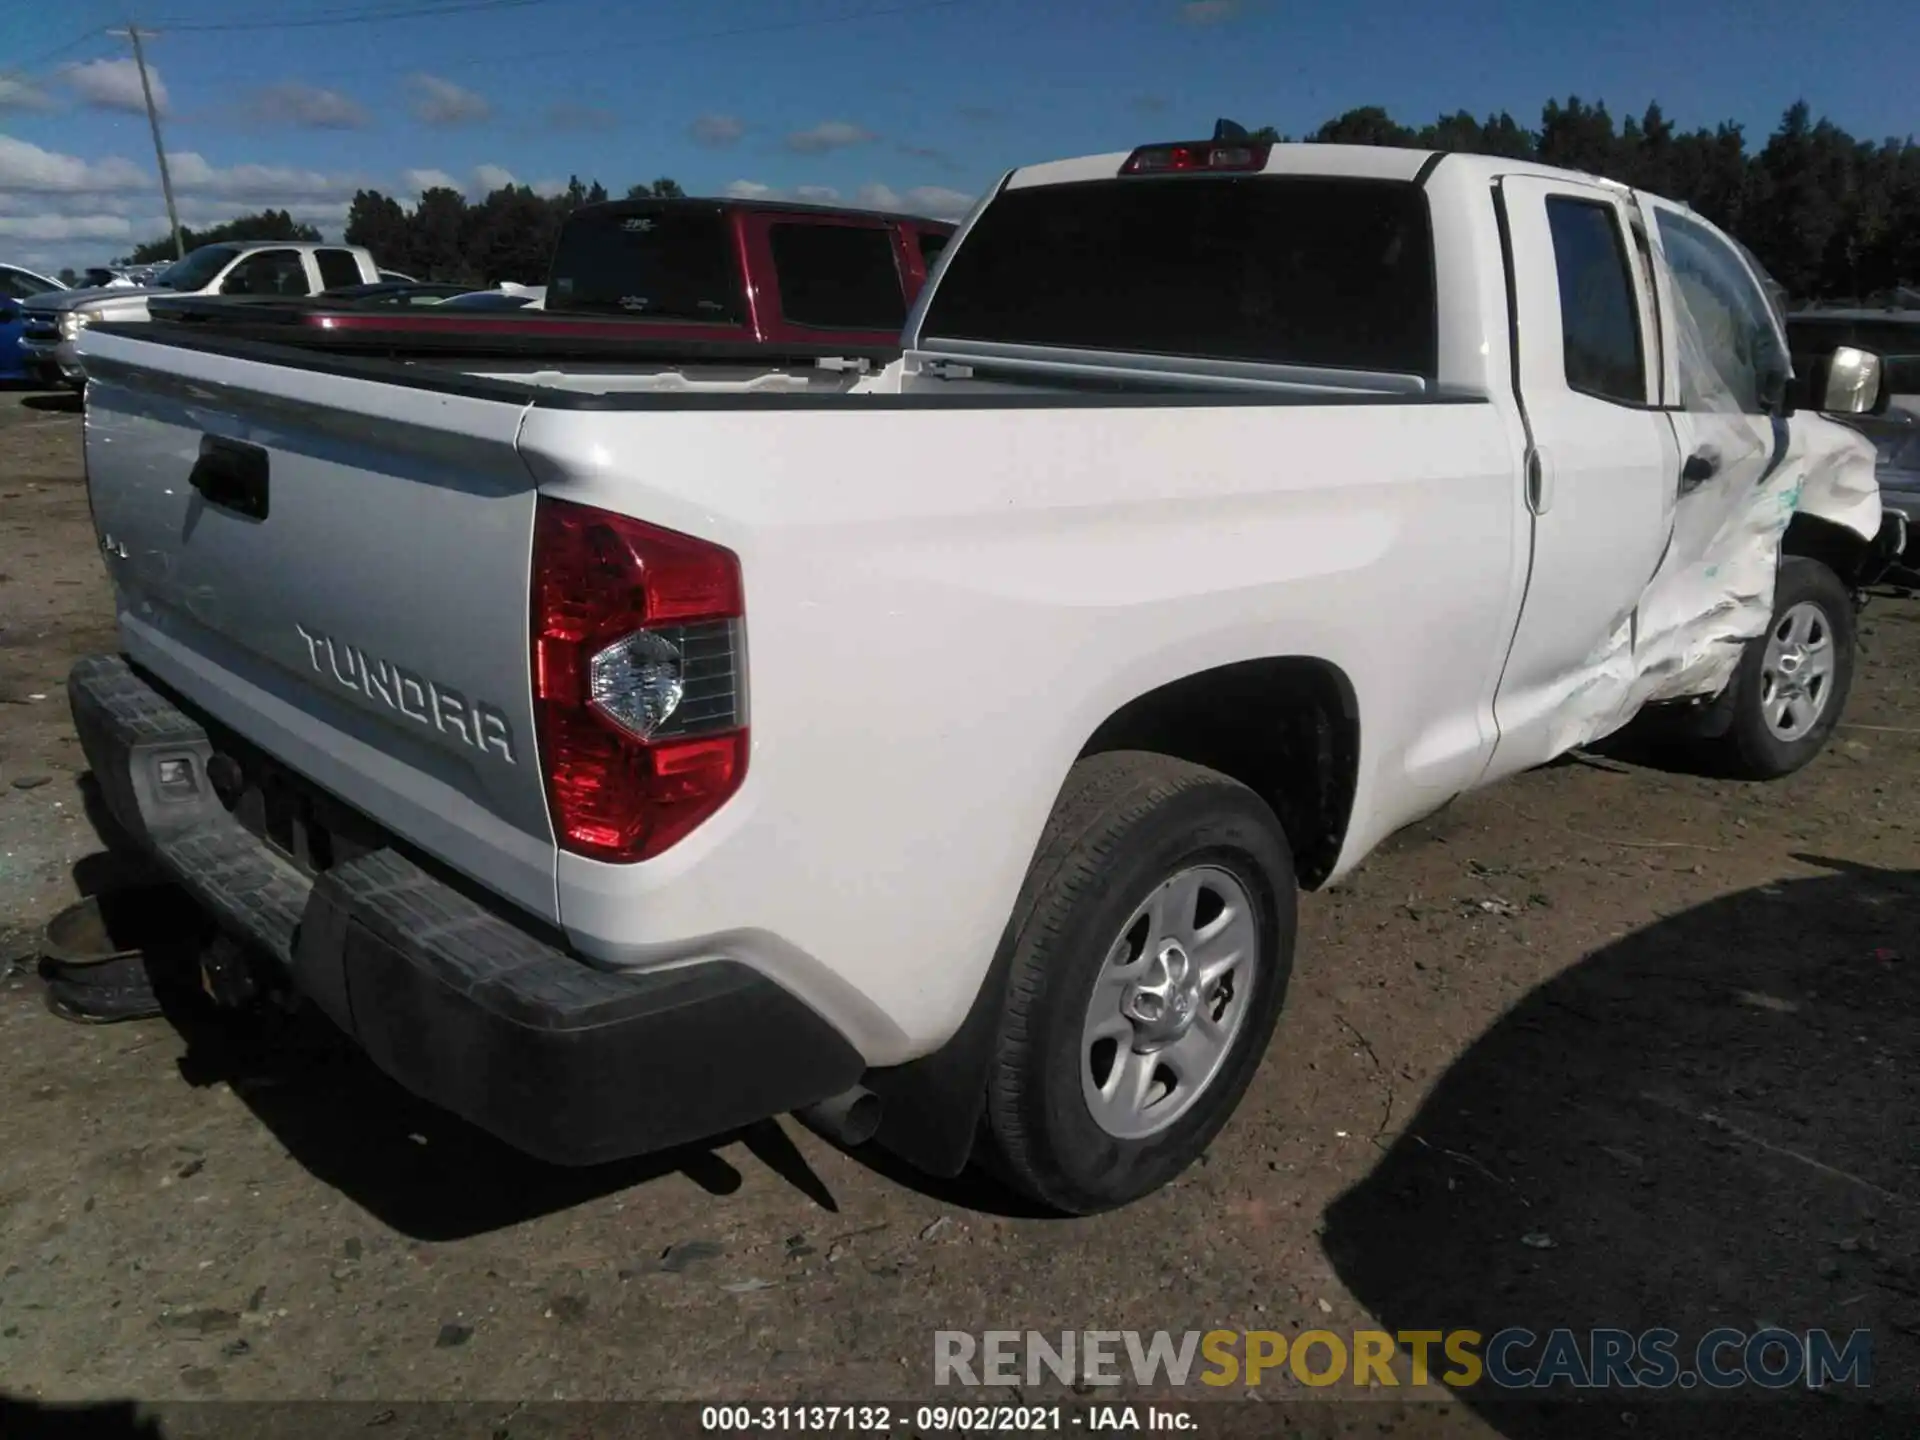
(1829, 215)
(509, 235)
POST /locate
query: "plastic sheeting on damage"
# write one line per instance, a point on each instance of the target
(1713, 590)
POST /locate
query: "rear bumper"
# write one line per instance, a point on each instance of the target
(464, 1005)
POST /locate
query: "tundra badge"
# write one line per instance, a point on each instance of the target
(471, 722)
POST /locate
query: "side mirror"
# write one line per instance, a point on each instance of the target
(1854, 383)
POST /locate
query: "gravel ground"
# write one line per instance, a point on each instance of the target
(1603, 1046)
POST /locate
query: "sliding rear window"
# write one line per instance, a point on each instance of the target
(667, 264)
(1288, 270)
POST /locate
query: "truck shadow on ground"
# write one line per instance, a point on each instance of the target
(420, 1169)
(1714, 1121)
(417, 1168)
(106, 1420)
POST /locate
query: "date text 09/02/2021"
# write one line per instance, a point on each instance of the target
(942, 1419)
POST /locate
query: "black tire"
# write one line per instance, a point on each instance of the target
(1750, 749)
(1124, 822)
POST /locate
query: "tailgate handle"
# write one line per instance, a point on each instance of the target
(233, 475)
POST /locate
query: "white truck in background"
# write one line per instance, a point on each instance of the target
(624, 752)
(51, 323)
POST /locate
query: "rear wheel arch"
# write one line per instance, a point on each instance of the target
(1288, 728)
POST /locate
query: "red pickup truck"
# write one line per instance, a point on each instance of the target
(700, 275)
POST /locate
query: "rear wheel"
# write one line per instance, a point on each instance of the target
(1792, 683)
(1152, 948)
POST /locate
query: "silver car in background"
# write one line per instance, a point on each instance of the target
(1892, 334)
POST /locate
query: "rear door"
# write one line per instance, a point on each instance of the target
(337, 569)
(1601, 466)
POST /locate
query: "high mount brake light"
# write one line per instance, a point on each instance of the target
(1211, 156)
(638, 689)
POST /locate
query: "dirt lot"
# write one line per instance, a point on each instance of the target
(1603, 1046)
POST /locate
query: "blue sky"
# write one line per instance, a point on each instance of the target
(916, 102)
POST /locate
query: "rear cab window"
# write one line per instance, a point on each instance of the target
(268, 272)
(837, 277)
(1308, 271)
(338, 269)
(1599, 314)
(657, 263)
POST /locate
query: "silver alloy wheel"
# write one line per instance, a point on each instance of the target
(1169, 1002)
(1797, 674)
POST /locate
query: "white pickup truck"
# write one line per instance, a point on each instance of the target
(51, 324)
(623, 753)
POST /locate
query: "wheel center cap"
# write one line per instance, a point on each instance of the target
(1163, 1002)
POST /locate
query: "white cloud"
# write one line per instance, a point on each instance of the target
(115, 85)
(294, 102)
(262, 183)
(939, 202)
(827, 135)
(67, 227)
(118, 227)
(716, 131)
(547, 189)
(83, 211)
(441, 102)
(934, 201)
(489, 178)
(421, 181)
(19, 94)
(28, 167)
(1209, 12)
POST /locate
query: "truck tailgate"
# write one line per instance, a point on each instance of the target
(337, 570)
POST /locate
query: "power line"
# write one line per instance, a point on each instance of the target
(361, 15)
(402, 10)
(523, 57)
(82, 38)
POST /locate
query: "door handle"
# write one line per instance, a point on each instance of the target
(1539, 482)
(1700, 467)
(232, 474)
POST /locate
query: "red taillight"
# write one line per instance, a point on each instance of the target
(1209, 155)
(637, 684)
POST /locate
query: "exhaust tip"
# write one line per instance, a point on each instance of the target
(850, 1118)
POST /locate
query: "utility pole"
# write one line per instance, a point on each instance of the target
(159, 150)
